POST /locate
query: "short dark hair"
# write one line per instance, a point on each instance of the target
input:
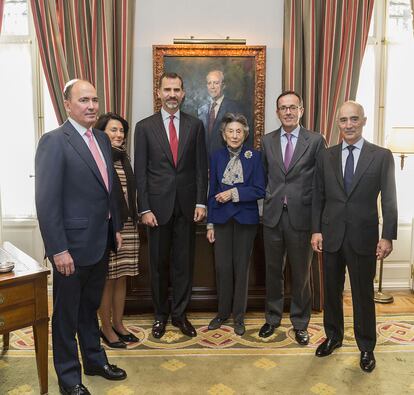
(170, 75)
(103, 120)
(285, 93)
(231, 117)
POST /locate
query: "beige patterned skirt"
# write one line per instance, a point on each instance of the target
(125, 261)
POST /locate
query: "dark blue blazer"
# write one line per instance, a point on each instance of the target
(72, 201)
(253, 188)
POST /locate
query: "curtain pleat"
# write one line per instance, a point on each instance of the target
(1, 12)
(91, 40)
(324, 44)
(412, 12)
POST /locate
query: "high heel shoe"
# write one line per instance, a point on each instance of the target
(117, 344)
(129, 338)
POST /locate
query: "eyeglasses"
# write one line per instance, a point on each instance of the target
(292, 108)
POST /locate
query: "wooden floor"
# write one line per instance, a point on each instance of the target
(403, 304)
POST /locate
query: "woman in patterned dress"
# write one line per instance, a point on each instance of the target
(125, 262)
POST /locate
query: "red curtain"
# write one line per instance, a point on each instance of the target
(324, 44)
(1, 12)
(91, 40)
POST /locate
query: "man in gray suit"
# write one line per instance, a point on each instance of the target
(289, 156)
(79, 223)
(348, 180)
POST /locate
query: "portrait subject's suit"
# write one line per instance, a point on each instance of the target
(349, 227)
(214, 139)
(73, 208)
(287, 223)
(171, 193)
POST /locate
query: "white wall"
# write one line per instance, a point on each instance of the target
(260, 22)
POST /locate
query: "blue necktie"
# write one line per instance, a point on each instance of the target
(349, 169)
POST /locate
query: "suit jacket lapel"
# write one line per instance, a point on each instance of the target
(246, 163)
(222, 161)
(336, 161)
(301, 146)
(185, 128)
(365, 158)
(161, 135)
(277, 150)
(80, 146)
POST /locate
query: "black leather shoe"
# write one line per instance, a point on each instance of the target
(216, 323)
(267, 330)
(367, 361)
(108, 371)
(185, 326)
(158, 329)
(327, 347)
(78, 389)
(118, 344)
(129, 338)
(239, 328)
(302, 336)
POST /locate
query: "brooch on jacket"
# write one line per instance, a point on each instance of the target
(248, 154)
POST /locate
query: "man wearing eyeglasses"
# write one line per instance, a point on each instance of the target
(289, 155)
(349, 177)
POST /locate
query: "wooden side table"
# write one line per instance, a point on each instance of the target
(23, 302)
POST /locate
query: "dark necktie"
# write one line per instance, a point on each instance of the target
(211, 116)
(349, 169)
(173, 139)
(288, 151)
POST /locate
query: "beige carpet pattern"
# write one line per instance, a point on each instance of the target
(222, 363)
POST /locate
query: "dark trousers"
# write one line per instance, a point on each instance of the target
(76, 299)
(171, 249)
(232, 251)
(361, 270)
(279, 242)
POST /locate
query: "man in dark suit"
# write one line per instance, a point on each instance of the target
(79, 224)
(349, 178)
(212, 112)
(171, 174)
(289, 156)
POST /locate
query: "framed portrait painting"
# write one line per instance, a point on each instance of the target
(231, 77)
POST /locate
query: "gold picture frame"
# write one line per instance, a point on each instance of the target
(244, 68)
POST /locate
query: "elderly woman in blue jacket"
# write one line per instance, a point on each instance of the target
(237, 181)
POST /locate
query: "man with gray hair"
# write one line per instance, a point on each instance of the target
(213, 111)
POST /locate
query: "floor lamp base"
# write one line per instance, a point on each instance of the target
(380, 297)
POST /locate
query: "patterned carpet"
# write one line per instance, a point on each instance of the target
(222, 363)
